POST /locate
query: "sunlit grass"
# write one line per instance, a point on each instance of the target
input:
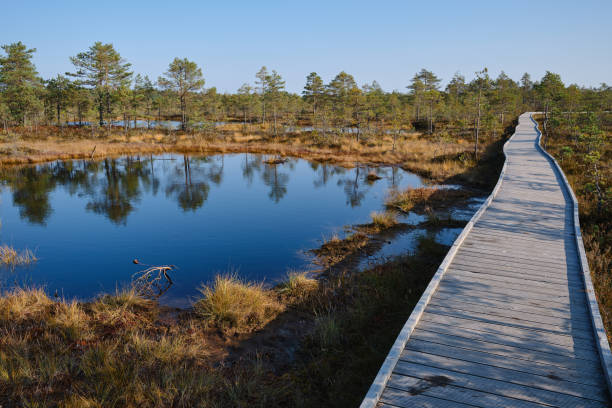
(419, 198)
(232, 303)
(10, 257)
(335, 249)
(382, 221)
(298, 285)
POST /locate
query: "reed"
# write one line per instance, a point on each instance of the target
(10, 257)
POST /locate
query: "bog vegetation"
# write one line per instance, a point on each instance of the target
(124, 350)
(102, 94)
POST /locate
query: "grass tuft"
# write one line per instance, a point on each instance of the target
(298, 285)
(10, 257)
(23, 304)
(382, 221)
(124, 308)
(327, 332)
(230, 302)
(418, 199)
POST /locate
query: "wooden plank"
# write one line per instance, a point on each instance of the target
(529, 274)
(490, 369)
(496, 387)
(443, 296)
(508, 321)
(534, 367)
(533, 344)
(517, 277)
(464, 257)
(530, 232)
(438, 388)
(528, 255)
(552, 251)
(484, 284)
(482, 231)
(557, 252)
(561, 323)
(586, 367)
(535, 235)
(520, 257)
(392, 397)
(528, 224)
(464, 286)
(510, 300)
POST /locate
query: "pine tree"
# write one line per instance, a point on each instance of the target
(19, 82)
(431, 95)
(339, 90)
(262, 86)
(313, 92)
(59, 90)
(275, 86)
(102, 69)
(182, 77)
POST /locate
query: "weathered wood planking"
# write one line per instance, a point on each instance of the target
(510, 318)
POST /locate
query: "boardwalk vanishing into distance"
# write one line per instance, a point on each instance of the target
(510, 318)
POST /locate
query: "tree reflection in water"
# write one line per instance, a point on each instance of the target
(120, 188)
(114, 187)
(190, 195)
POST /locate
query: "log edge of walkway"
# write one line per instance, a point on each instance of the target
(375, 391)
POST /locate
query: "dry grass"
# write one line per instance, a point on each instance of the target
(414, 152)
(123, 309)
(298, 286)
(335, 250)
(415, 199)
(10, 257)
(23, 304)
(112, 352)
(232, 303)
(383, 221)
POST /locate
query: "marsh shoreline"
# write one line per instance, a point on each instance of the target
(291, 355)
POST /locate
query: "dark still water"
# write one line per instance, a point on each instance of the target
(86, 221)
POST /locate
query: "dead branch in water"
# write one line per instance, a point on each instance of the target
(152, 282)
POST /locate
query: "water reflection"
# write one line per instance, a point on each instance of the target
(190, 195)
(206, 214)
(114, 186)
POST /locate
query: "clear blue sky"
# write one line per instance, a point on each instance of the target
(387, 41)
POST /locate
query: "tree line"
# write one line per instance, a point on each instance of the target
(102, 87)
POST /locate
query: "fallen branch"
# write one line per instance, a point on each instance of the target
(153, 281)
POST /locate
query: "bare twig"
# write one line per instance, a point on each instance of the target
(153, 281)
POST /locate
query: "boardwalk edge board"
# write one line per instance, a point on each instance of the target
(378, 386)
(603, 347)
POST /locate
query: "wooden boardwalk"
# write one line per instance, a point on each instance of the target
(509, 319)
